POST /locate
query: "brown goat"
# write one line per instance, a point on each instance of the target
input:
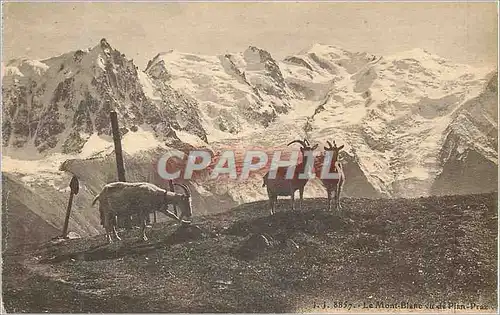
(282, 186)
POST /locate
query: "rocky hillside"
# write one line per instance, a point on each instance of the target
(425, 251)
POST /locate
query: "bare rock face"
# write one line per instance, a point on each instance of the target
(56, 104)
(182, 109)
(467, 154)
(258, 58)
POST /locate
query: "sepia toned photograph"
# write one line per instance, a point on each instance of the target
(249, 157)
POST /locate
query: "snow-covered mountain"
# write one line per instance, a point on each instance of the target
(55, 105)
(397, 112)
(235, 92)
(412, 124)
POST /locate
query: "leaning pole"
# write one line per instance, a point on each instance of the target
(74, 187)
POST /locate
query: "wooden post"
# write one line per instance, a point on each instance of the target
(171, 185)
(127, 222)
(74, 185)
(118, 146)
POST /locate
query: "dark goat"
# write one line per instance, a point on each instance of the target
(281, 186)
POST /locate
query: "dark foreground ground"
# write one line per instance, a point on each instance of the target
(427, 250)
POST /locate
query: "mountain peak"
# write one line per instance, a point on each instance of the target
(417, 54)
(255, 48)
(257, 55)
(323, 48)
(168, 52)
(104, 44)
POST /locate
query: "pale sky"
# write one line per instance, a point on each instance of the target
(463, 32)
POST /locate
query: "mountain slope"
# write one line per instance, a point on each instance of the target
(18, 220)
(235, 92)
(469, 158)
(246, 261)
(394, 112)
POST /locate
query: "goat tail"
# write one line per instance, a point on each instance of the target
(95, 199)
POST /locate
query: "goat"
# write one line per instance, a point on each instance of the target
(124, 198)
(334, 184)
(281, 186)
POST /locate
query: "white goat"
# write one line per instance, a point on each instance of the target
(123, 198)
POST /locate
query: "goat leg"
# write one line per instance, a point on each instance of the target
(301, 197)
(169, 214)
(275, 203)
(115, 223)
(329, 192)
(107, 227)
(272, 203)
(337, 196)
(101, 214)
(334, 198)
(143, 228)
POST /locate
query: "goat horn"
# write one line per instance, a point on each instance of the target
(302, 143)
(186, 189)
(329, 143)
(307, 142)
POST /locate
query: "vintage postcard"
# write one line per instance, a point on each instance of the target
(249, 157)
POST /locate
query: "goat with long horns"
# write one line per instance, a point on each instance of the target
(125, 198)
(282, 186)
